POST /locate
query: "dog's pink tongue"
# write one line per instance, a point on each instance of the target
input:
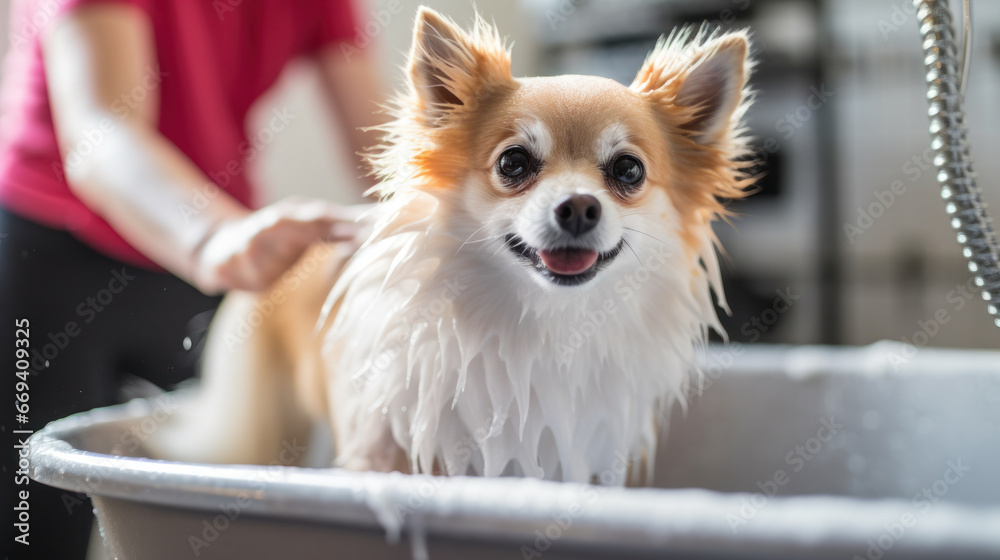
(568, 261)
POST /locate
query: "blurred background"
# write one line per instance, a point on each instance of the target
(848, 223)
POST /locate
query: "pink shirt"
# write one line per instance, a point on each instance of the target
(213, 60)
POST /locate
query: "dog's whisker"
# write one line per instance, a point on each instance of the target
(470, 237)
(486, 239)
(629, 245)
(469, 240)
(502, 246)
(639, 231)
(481, 228)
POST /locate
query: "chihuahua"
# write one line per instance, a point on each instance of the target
(536, 285)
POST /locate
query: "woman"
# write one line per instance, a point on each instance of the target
(124, 205)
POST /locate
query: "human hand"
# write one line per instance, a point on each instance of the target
(252, 251)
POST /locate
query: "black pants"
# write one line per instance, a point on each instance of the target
(93, 321)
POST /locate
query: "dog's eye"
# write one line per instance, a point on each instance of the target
(627, 170)
(514, 164)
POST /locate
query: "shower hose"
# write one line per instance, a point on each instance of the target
(946, 80)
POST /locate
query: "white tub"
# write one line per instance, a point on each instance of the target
(866, 453)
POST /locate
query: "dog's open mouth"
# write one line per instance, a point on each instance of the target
(567, 266)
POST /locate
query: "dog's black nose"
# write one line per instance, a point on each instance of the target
(578, 213)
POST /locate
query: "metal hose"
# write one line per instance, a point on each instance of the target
(950, 142)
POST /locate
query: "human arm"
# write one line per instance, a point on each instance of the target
(354, 95)
(139, 181)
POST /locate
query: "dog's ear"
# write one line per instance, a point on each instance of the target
(451, 69)
(702, 81)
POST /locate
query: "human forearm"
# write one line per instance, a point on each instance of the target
(164, 205)
(152, 194)
(115, 159)
(355, 96)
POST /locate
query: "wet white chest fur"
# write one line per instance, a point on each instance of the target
(457, 358)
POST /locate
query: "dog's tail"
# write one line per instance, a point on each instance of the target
(244, 412)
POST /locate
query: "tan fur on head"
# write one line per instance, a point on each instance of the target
(694, 80)
(451, 69)
(451, 73)
(697, 80)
